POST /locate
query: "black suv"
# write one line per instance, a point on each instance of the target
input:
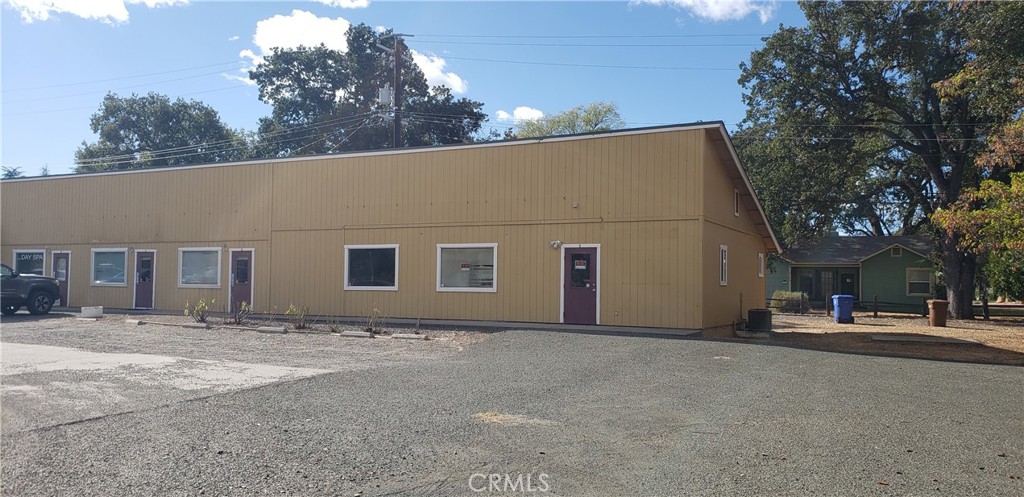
(37, 293)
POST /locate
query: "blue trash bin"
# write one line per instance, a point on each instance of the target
(842, 308)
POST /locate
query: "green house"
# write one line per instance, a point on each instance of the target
(895, 270)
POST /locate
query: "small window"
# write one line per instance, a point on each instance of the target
(199, 267)
(919, 282)
(896, 251)
(371, 267)
(468, 267)
(242, 271)
(723, 279)
(760, 265)
(109, 267)
(736, 202)
(29, 261)
(145, 270)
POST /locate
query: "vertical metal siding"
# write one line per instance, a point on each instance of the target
(640, 196)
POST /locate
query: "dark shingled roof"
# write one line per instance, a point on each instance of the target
(853, 249)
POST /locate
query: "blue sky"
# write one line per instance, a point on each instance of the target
(673, 61)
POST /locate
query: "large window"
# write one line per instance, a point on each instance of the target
(371, 267)
(109, 267)
(468, 267)
(29, 261)
(919, 282)
(199, 267)
(723, 265)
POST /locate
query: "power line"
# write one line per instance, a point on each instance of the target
(113, 89)
(689, 35)
(594, 45)
(602, 66)
(61, 85)
(156, 154)
(179, 95)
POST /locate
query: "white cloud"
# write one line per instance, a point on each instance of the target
(233, 38)
(244, 78)
(346, 4)
(290, 31)
(301, 28)
(433, 69)
(106, 11)
(521, 113)
(721, 10)
(305, 28)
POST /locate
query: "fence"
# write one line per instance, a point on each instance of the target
(803, 306)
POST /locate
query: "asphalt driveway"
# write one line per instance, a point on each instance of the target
(166, 411)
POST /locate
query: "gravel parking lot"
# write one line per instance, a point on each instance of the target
(105, 408)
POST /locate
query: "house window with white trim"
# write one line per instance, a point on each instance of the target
(760, 265)
(110, 267)
(723, 272)
(467, 267)
(896, 252)
(199, 267)
(29, 261)
(919, 282)
(371, 267)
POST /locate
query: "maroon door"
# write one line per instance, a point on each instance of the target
(144, 272)
(241, 278)
(61, 267)
(580, 292)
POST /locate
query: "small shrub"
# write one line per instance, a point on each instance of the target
(298, 316)
(242, 313)
(375, 322)
(792, 302)
(201, 311)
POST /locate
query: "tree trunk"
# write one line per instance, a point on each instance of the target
(958, 268)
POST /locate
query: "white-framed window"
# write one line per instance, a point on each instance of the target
(371, 267)
(467, 267)
(760, 265)
(736, 202)
(723, 266)
(109, 267)
(199, 267)
(896, 251)
(919, 282)
(30, 261)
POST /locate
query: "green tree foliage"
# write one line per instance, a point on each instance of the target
(593, 117)
(325, 100)
(993, 79)
(989, 219)
(851, 111)
(1005, 272)
(153, 131)
(11, 172)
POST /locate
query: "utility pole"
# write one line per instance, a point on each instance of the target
(396, 136)
(396, 52)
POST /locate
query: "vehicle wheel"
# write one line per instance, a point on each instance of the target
(8, 310)
(39, 302)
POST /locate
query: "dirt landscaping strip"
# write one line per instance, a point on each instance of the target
(997, 341)
(922, 339)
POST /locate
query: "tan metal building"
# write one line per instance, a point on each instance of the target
(654, 227)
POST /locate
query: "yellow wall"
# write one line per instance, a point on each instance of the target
(642, 196)
(744, 290)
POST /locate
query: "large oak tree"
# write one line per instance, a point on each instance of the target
(325, 100)
(851, 104)
(153, 131)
